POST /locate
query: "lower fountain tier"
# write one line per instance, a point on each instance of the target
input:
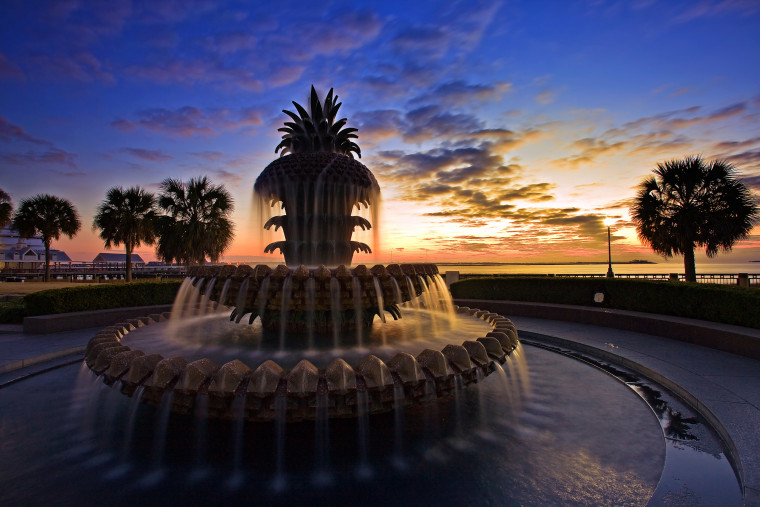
(320, 298)
(270, 392)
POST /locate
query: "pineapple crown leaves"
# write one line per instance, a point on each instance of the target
(316, 130)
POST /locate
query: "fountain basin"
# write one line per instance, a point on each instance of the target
(295, 392)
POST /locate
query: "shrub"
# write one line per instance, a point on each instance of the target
(12, 312)
(717, 303)
(101, 296)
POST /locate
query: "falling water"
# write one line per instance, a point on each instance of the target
(363, 471)
(445, 298)
(240, 301)
(200, 425)
(430, 304)
(223, 296)
(335, 309)
(398, 300)
(236, 480)
(311, 307)
(280, 408)
(261, 296)
(181, 305)
(156, 475)
(459, 441)
(379, 294)
(206, 300)
(415, 303)
(287, 289)
(399, 462)
(124, 465)
(356, 292)
(322, 475)
(510, 390)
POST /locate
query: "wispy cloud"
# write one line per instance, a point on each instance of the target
(149, 155)
(191, 121)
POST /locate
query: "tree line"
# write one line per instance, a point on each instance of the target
(188, 222)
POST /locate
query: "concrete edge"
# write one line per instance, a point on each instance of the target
(678, 390)
(24, 363)
(739, 340)
(58, 322)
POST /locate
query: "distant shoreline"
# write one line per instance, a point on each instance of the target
(540, 263)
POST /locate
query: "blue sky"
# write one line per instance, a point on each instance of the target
(497, 130)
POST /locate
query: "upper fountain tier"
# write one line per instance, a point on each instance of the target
(318, 184)
(318, 192)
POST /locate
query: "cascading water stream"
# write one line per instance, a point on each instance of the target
(356, 293)
(335, 310)
(287, 289)
(311, 307)
(240, 301)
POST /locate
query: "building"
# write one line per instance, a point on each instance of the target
(117, 260)
(18, 253)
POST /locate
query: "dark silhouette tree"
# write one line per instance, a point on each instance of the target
(128, 217)
(49, 216)
(690, 203)
(196, 223)
(6, 208)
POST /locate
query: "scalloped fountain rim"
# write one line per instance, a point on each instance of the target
(413, 380)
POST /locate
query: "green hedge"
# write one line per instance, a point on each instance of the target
(12, 312)
(101, 296)
(728, 304)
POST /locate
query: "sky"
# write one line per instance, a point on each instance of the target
(498, 131)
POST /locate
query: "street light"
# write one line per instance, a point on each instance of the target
(608, 222)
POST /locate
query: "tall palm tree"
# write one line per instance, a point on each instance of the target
(6, 208)
(690, 203)
(196, 222)
(127, 216)
(49, 216)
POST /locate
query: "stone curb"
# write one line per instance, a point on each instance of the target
(743, 341)
(55, 323)
(24, 363)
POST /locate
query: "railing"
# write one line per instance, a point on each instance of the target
(753, 280)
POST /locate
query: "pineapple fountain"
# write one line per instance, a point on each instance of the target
(314, 305)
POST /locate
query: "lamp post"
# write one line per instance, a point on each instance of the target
(608, 222)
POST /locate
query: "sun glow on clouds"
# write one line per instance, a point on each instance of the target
(497, 131)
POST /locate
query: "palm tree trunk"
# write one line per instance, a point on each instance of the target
(129, 261)
(690, 270)
(47, 260)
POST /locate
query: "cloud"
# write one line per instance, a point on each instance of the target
(193, 72)
(546, 96)
(10, 71)
(190, 121)
(51, 156)
(12, 133)
(150, 155)
(590, 149)
(458, 93)
(82, 66)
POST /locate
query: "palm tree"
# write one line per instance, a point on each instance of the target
(689, 203)
(6, 208)
(127, 216)
(196, 222)
(49, 216)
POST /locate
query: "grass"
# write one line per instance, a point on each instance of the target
(30, 287)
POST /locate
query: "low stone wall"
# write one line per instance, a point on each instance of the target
(43, 324)
(739, 340)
